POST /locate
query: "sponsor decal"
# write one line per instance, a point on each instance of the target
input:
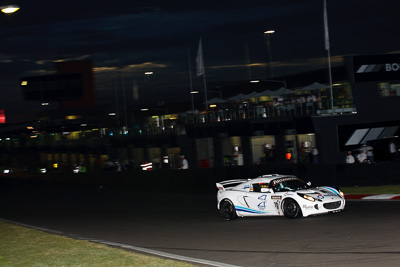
(307, 207)
(276, 197)
(276, 203)
(280, 180)
(319, 196)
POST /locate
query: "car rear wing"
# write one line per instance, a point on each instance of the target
(221, 185)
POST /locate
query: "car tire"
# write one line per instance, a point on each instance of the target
(227, 210)
(291, 209)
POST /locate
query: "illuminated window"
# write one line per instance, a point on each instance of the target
(388, 89)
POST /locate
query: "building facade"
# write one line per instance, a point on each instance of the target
(256, 122)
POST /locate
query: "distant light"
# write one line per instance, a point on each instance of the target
(83, 124)
(147, 166)
(148, 73)
(112, 114)
(269, 31)
(9, 9)
(144, 109)
(255, 81)
(72, 117)
(45, 104)
(194, 92)
(24, 83)
(165, 159)
(213, 106)
(29, 127)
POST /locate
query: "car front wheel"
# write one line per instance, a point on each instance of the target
(227, 210)
(291, 209)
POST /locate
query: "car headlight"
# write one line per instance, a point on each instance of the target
(310, 198)
(341, 193)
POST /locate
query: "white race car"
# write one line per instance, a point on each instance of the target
(276, 195)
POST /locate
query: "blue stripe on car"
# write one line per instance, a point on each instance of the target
(238, 208)
(332, 190)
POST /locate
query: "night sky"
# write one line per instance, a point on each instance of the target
(125, 38)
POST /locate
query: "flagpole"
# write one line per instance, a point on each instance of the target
(124, 98)
(190, 78)
(327, 47)
(200, 71)
(205, 90)
(330, 78)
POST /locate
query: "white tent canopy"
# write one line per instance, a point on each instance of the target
(314, 86)
(253, 94)
(283, 91)
(216, 100)
(237, 97)
(265, 93)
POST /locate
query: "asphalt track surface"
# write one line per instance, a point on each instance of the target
(367, 234)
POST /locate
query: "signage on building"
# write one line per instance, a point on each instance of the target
(376, 68)
(2, 116)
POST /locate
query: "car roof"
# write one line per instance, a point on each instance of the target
(243, 184)
(268, 178)
(263, 179)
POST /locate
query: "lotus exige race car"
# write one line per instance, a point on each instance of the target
(276, 195)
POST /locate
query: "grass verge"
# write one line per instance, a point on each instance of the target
(22, 246)
(382, 189)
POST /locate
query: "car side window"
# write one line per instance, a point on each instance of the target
(257, 187)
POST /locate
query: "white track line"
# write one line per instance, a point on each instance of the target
(382, 196)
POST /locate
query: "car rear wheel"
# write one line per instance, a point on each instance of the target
(291, 209)
(227, 210)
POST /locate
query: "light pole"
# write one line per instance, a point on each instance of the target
(270, 72)
(192, 93)
(9, 9)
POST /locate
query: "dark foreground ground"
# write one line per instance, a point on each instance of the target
(367, 234)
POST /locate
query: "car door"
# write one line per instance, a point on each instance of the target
(259, 202)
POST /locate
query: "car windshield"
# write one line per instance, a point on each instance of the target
(288, 184)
